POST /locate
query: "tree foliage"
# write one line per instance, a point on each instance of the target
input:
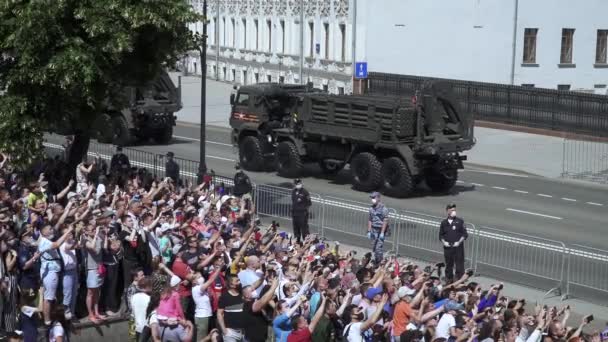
(61, 61)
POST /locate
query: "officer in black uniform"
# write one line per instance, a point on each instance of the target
(300, 203)
(242, 184)
(452, 234)
(172, 168)
(120, 166)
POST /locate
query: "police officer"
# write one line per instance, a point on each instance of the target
(120, 166)
(452, 234)
(172, 168)
(377, 225)
(242, 184)
(300, 203)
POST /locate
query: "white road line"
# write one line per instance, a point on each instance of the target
(477, 184)
(568, 199)
(544, 195)
(521, 191)
(499, 188)
(460, 182)
(596, 204)
(207, 141)
(506, 174)
(535, 214)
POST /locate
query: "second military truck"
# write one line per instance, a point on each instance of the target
(390, 143)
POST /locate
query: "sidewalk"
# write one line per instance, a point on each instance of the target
(528, 152)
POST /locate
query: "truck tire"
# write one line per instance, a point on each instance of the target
(164, 136)
(287, 160)
(122, 134)
(250, 154)
(330, 169)
(441, 181)
(397, 180)
(104, 130)
(367, 172)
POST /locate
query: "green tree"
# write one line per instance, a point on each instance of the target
(61, 61)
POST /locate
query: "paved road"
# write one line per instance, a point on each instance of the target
(525, 204)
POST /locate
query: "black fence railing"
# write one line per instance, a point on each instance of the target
(532, 107)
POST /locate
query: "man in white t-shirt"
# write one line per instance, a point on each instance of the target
(353, 332)
(139, 304)
(447, 322)
(202, 304)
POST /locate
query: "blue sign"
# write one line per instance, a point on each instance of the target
(361, 70)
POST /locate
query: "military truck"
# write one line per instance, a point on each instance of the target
(390, 143)
(149, 114)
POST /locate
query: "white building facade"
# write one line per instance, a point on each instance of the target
(259, 41)
(558, 44)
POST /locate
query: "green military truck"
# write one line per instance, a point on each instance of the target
(149, 113)
(391, 144)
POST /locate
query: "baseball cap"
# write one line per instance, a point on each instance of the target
(453, 305)
(450, 206)
(170, 154)
(374, 194)
(405, 291)
(297, 181)
(372, 292)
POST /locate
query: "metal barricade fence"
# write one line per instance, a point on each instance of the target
(587, 270)
(521, 258)
(351, 217)
(418, 237)
(275, 202)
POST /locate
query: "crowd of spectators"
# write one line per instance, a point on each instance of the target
(191, 262)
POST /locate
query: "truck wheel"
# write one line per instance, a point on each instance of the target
(104, 130)
(330, 168)
(164, 136)
(441, 181)
(250, 154)
(122, 135)
(367, 173)
(288, 162)
(397, 180)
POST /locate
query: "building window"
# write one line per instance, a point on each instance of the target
(233, 75)
(325, 88)
(257, 36)
(245, 34)
(567, 46)
(224, 36)
(281, 79)
(600, 49)
(213, 39)
(530, 45)
(233, 32)
(340, 90)
(283, 36)
(311, 28)
(343, 42)
(269, 78)
(257, 77)
(563, 87)
(527, 85)
(225, 73)
(326, 29)
(269, 25)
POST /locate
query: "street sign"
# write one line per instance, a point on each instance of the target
(361, 70)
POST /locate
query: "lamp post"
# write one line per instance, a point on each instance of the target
(202, 168)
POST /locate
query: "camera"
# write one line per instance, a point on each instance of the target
(257, 221)
(500, 287)
(589, 319)
(440, 265)
(469, 272)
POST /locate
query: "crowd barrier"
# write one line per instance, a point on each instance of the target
(541, 263)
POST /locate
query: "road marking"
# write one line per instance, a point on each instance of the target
(477, 184)
(535, 214)
(459, 182)
(506, 174)
(521, 191)
(568, 199)
(597, 204)
(207, 141)
(544, 195)
(499, 188)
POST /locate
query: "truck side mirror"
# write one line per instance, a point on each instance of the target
(232, 98)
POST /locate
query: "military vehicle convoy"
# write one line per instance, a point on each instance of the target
(391, 144)
(149, 114)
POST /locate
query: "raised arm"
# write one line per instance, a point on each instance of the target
(374, 318)
(260, 303)
(317, 317)
(65, 190)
